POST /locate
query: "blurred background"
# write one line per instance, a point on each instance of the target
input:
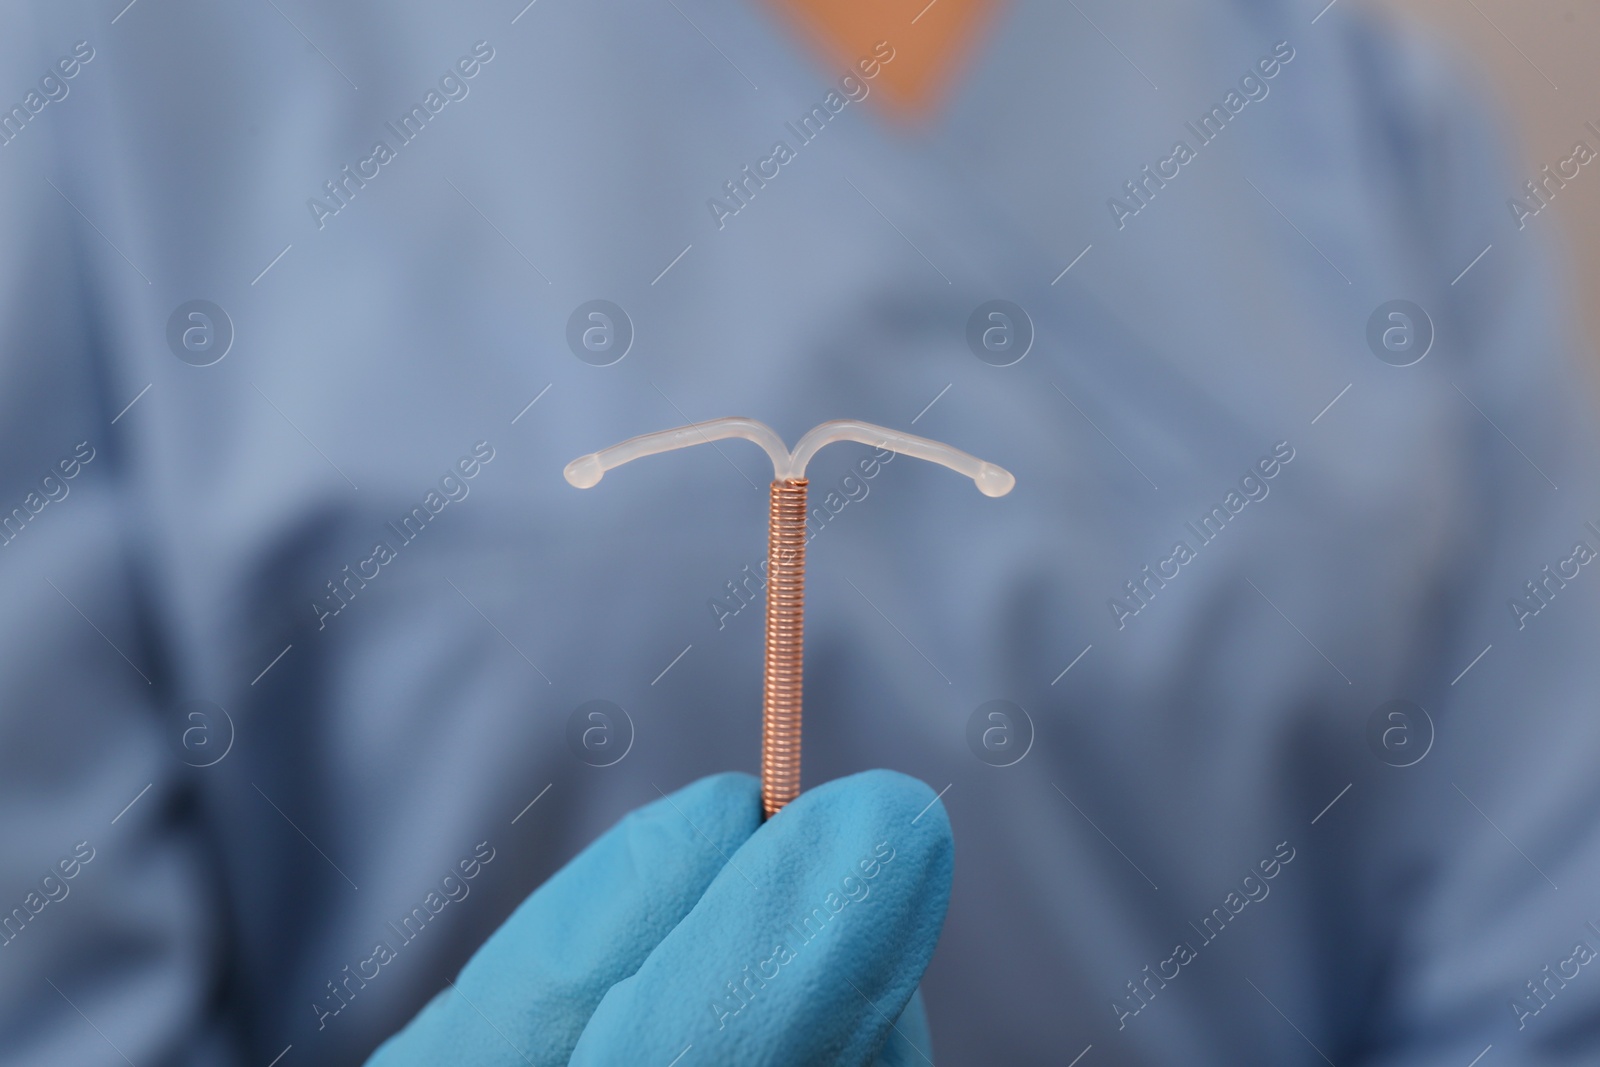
(1542, 59)
(1336, 678)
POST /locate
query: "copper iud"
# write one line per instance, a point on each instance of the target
(786, 554)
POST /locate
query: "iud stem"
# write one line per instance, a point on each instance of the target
(785, 656)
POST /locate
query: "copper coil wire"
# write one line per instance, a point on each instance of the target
(785, 657)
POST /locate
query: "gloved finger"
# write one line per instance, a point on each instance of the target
(807, 945)
(525, 996)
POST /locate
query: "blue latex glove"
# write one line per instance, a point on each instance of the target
(692, 933)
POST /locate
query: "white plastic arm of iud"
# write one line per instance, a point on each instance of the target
(991, 480)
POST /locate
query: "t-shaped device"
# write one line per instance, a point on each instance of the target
(786, 554)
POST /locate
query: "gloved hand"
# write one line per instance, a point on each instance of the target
(693, 933)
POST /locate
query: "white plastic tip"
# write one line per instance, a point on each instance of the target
(585, 472)
(992, 480)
